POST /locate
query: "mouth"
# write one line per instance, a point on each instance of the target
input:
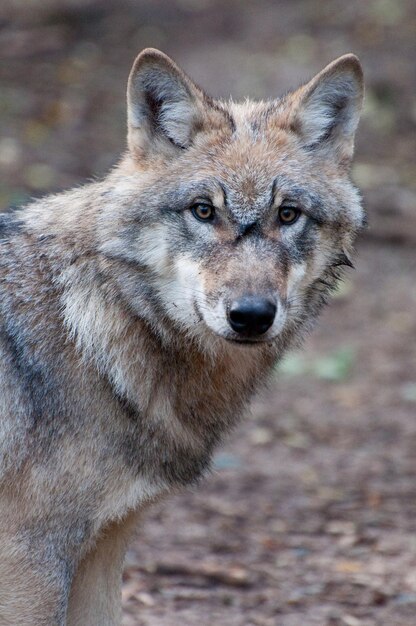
(247, 341)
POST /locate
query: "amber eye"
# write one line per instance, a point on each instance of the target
(203, 212)
(288, 214)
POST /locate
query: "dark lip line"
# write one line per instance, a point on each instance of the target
(247, 342)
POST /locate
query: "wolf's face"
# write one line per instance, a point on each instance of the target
(237, 215)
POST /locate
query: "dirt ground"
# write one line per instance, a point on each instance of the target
(309, 517)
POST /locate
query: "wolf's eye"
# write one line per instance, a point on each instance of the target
(203, 212)
(288, 214)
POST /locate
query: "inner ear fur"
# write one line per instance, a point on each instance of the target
(166, 109)
(325, 112)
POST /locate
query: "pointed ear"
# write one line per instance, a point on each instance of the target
(327, 109)
(165, 108)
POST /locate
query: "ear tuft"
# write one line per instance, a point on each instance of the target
(329, 107)
(164, 105)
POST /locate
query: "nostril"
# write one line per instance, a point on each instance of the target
(252, 315)
(238, 316)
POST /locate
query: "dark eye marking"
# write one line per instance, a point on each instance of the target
(308, 201)
(203, 211)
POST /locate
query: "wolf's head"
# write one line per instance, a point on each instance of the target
(233, 219)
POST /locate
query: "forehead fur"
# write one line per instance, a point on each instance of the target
(252, 140)
(257, 153)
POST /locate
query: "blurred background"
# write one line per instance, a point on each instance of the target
(309, 517)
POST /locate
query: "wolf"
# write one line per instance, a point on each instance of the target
(139, 314)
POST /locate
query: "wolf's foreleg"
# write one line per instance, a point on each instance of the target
(95, 597)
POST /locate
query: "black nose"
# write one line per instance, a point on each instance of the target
(251, 315)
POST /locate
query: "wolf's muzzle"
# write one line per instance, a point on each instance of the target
(251, 315)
